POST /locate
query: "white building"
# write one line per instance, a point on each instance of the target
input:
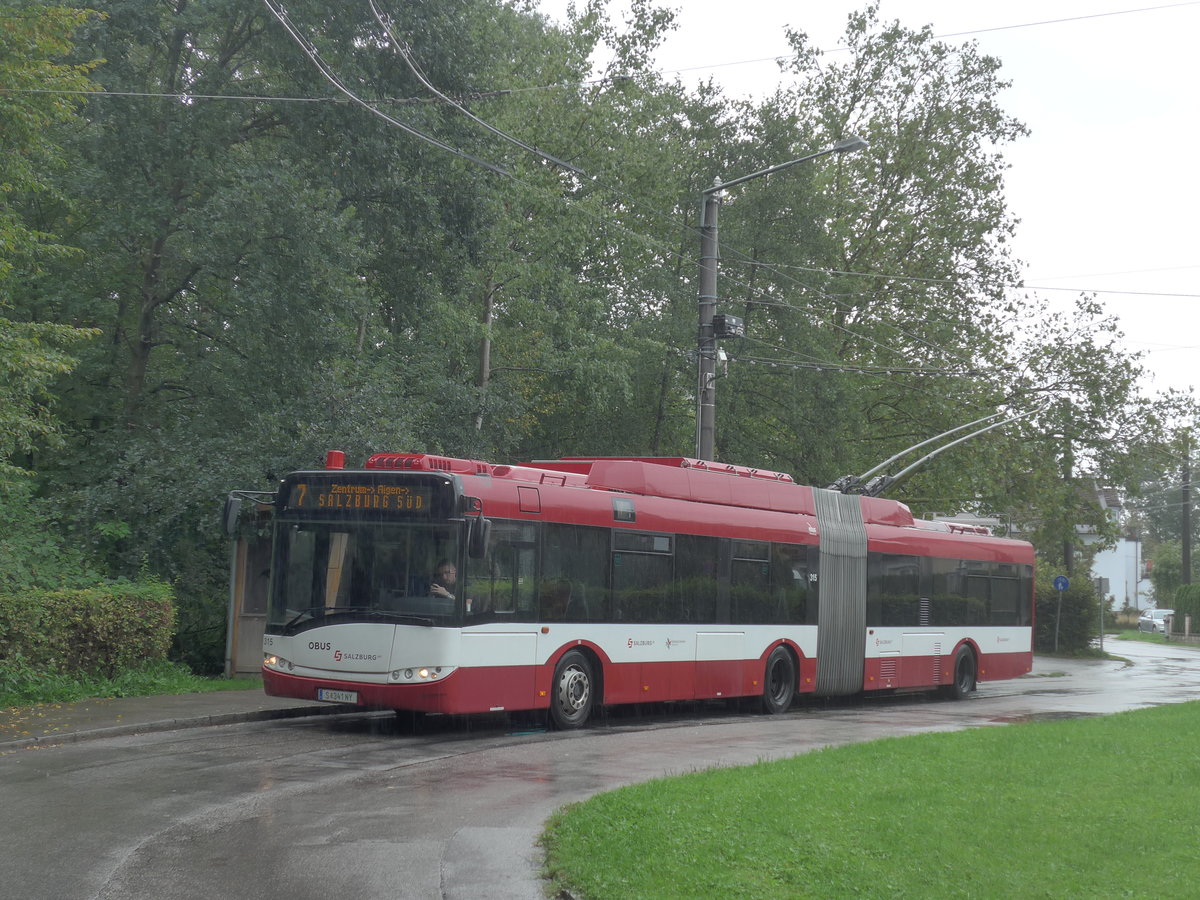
(1119, 570)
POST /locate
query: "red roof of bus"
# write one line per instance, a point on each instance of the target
(678, 478)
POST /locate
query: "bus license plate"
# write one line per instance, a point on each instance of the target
(337, 696)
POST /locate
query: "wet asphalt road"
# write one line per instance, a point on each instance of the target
(359, 806)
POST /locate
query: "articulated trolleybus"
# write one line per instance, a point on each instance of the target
(439, 585)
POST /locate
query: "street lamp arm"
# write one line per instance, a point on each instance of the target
(845, 145)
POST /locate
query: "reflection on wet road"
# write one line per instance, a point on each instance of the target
(361, 806)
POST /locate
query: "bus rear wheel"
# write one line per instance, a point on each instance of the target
(573, 691)
(779, 682)
(964, 675)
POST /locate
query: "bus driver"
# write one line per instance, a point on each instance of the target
(445, 576)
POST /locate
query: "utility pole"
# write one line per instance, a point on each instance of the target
(706, 388)
(706, 344)
(1186, 526)
(1068, 478)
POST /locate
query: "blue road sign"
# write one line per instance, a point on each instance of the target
(1061, 583)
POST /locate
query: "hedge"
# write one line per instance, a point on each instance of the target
(96, 631)
(1079, 621)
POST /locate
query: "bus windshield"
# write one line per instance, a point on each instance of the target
(364, 572)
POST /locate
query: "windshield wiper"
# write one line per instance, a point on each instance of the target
(312, 612)
(404, 617)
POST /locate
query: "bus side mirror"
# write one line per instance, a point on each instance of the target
(478, 531)
(233, 509)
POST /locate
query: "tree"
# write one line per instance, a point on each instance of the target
(1166, 572)
(877, 288)
(299, 236)
(273, 279)
(225, 282)
(40, 93)
(873, 281)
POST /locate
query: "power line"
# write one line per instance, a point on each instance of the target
(588, 82)
(406, 54)
(1103, 15)
(1034, 287)
(844, 307)
(882, 371)
(951, 281)
(183, 96)
(1125, 272)
(188, 96)
(1120, 12)
(314, 55)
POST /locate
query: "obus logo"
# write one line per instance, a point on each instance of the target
(318, 645)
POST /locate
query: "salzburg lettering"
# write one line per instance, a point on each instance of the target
(341, 496)
(339, 656)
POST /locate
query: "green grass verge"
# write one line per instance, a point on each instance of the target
(1098, 807)
(1147, 636)
(22, 686)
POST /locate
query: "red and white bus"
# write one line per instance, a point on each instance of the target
(582, 582)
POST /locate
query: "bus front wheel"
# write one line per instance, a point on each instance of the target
(779, 682)
(573, 691)
(964, 675)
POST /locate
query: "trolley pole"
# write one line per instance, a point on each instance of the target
(706, 386)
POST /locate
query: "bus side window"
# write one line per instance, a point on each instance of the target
(503, 582)
(1005, 601)
(642, 577)
(697, 581)
(574, 571)
(893, 590)
(749, 593)
(790, 584)
(554, 601)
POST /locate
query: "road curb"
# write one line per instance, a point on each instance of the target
(178, 724)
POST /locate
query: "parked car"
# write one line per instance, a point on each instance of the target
(1155, 620)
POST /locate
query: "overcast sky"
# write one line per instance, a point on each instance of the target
(1107, 186)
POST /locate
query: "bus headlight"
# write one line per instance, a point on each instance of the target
(420, 674)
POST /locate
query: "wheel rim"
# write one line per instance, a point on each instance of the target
(574, 691)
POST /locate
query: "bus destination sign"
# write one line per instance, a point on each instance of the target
(335, 496)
